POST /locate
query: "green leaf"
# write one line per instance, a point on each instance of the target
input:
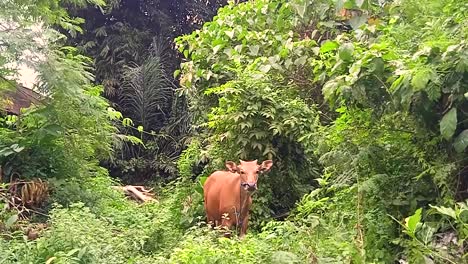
(50, 260)
(203, 180)
(134, 140)
(448, 124)
(186, 53)
(301, 60)
(140, 129)
(445, 211)
(359, 3)
(329, 89)
(265, 68)
(348, 4)
(420, 79)
(357, 21)
(328, 46)
(97, 2)
(461, 141)
(433, 92)
(6, 152)
(73, 252)
(377, 65)
(53, 129)
(426, 233)
(113, 114)
(346, 51)
(254, 49)
(284, 257)
(217, 48)
(230, 33)
(339, 4)
(413, 220)
(11, 220)
(16, 148)
(301, 8)
(82, 252)
(176, 73)
(402, 90)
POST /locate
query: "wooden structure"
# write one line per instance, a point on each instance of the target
(22, 97)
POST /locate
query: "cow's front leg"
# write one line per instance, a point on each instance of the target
(226, 224)
(244, 226)
(211, 222)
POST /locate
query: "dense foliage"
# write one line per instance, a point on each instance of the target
(377, 138)
(130, 41)
(361, 105)
(71, 129)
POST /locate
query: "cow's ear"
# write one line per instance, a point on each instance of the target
(266, 165)
(231, 166)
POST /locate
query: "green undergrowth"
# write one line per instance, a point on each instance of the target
(108, 228)
(99, 225)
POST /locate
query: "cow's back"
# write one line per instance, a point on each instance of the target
(221, 193)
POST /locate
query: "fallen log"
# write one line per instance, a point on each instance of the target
(138, 193)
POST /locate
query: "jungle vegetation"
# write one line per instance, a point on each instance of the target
(362, 105)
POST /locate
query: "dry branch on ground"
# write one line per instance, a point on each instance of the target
(138, 193)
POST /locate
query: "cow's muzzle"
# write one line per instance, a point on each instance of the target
(249, 186)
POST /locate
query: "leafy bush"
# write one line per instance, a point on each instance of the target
(278, 243)
(107, 228)
(243, 101)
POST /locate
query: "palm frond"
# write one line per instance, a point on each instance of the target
(147, 92)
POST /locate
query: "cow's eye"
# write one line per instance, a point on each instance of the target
(241, 172)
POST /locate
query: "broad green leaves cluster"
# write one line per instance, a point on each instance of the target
(267, 36)
(252, 112)
(414, 61)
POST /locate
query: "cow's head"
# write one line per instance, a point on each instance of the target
(248, 171)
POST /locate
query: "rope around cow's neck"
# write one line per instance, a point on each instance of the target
(241, 207)
(239, 221)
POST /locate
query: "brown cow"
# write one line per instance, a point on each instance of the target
(228, 194)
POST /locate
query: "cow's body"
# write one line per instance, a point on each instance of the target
(228, 194)
(222, 191)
